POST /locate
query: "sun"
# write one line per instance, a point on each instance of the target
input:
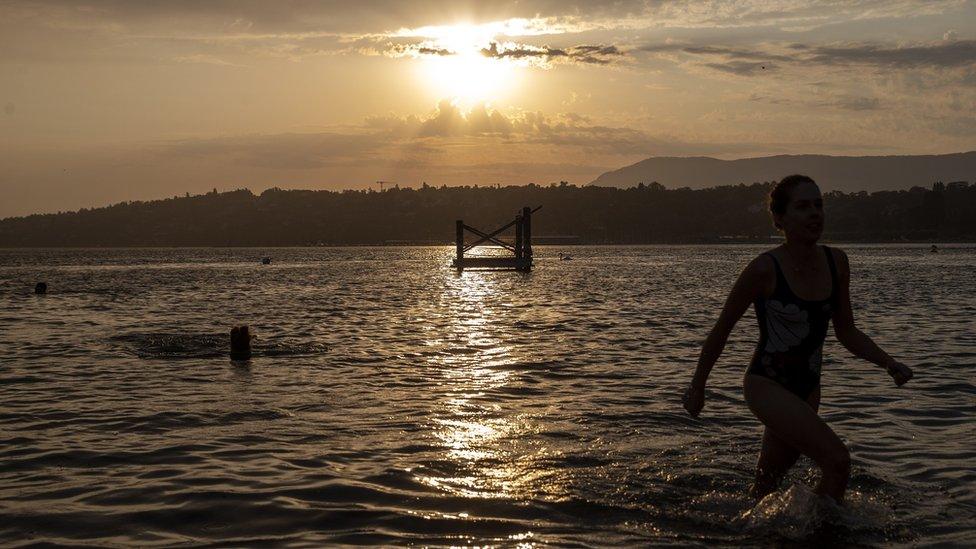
(469, 78)
(460, 71)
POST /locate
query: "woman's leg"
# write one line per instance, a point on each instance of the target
(795, 423)
(776, 457)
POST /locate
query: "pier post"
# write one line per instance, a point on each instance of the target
(527, 233)
(519, 237)
(460, 244)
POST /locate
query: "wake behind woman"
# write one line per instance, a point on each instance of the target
(797, 289)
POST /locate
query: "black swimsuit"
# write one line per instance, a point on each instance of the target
(791, 334)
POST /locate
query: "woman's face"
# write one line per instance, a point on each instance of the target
(804, 216)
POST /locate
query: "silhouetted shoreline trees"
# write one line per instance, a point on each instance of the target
(643, 214)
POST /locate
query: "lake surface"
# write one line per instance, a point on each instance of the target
(391, 401)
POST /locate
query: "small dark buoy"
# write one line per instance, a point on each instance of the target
(240, 343)
(935, 249)
(40, 288)
(266, 260)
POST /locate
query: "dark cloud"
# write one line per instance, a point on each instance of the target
(738, 61)
(842, 102)
(591, 54)
(408, 48)
(855, 103)
(956, 53)
(751, 62)
(433, 51)
(742, 68)
(384, 15)
(300, 17)
(736, 53)
(712, 50)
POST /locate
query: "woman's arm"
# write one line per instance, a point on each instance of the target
(750, 285)
(856, 341)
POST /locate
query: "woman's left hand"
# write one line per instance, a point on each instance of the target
(899, 372)
(694, 400)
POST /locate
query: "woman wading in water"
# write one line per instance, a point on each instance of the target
(797, 288)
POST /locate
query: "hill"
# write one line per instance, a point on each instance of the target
(842, 173)
(592, 215)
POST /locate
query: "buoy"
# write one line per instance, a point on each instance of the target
(266, 260)
(40, 288)
(240, 343)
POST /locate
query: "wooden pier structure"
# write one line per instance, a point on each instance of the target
(521, 258)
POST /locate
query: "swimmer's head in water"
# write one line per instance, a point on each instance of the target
(796, 206)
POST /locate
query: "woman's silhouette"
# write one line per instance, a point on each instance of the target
(797, 289)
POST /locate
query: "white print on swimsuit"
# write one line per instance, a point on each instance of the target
(786, 326)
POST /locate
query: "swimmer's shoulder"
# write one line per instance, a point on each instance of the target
(761, 272)
(763, 265)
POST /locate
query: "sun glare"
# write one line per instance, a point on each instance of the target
(463, 73)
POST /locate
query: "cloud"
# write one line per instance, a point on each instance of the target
(742, 68)
(540, 56)
(731, 60)
(370, 15)
(447, 136)
(855, 103)
(202, 58)
(434, 51)
(842, 102)
(956, 53)
(554, 133)
(299, 28)
(715, 50)
(756, 61)
(588, 54)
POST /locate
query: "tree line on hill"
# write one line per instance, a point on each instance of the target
(593, 215)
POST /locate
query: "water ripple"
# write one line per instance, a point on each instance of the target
(390, 401)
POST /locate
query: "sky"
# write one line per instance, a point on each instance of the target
(103, 101)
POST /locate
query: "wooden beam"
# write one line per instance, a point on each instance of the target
(491, 235)
(484, 236)
(518, 237)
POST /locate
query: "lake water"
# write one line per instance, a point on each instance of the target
(391, 401)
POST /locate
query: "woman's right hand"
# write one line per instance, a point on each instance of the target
(899, 372)
(694, 400)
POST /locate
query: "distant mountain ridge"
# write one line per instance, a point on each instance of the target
(844, 173)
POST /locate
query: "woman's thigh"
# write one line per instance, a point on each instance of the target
(792, 420)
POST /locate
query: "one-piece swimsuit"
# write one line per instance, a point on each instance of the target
(791, 334)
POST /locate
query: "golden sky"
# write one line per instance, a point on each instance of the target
(105, 101)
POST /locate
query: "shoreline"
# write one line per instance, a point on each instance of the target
(902, 243)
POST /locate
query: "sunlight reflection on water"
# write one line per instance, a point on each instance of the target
(468, 425)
